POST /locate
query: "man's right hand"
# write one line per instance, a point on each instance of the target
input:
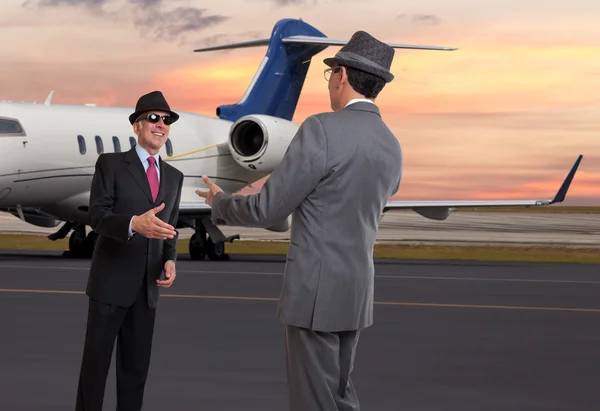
(151, 226)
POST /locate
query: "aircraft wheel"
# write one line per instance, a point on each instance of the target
(197, 250)
(77, 244)
(216, 251)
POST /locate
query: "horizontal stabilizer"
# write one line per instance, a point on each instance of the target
(317, 41)
(244, 44)
(326, 41)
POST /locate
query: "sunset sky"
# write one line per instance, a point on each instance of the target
(505, 116)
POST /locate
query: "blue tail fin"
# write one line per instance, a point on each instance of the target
(277, 84)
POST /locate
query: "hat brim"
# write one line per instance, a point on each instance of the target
(135, 115)
(383, 74)
(329, 61)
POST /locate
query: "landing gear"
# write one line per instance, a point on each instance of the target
(215, 251)
(197, 247)
(207, 241)
(214, 246)
(80, 245)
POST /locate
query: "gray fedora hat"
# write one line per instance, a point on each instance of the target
(364, 52)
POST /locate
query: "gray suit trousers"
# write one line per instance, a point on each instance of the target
(318, 369)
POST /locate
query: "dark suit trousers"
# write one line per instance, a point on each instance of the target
(134, 327)
(318, 369)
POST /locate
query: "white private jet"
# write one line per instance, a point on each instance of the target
(49, 151)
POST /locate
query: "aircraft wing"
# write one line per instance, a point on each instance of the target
(436, 210)
(440, 210)
(193, 208)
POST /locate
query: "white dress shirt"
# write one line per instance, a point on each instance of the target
(358, 100)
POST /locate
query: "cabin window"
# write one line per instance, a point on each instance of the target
(117, 144)
(169, 147)
(10, 127)
(81, 142)
(99, 145)
(132, 142)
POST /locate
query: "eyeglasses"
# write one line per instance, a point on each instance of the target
(327, 72)
(153, 118)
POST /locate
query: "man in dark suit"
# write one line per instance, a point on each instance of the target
(335, 179)
(134, 207)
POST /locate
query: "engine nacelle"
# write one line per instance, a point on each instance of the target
(259, 142)
(36, 219)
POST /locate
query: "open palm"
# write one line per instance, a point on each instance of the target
(210, 194)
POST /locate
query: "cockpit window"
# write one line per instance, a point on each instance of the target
(10, 127)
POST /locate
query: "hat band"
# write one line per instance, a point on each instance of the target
(350, 56)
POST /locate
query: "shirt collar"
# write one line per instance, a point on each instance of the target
(358, 100)
(143, 155)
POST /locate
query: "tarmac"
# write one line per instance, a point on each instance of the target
(447, 337)
(461, 228)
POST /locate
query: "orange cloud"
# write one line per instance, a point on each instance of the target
(489, 78)
(201, 87)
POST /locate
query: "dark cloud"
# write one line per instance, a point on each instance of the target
(420, 19)
(149, 15)
(146, 2)
(222, 38)
(284, 3)
(93, 4)
(169, 25)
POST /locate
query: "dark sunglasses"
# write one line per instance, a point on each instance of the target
(153, 118)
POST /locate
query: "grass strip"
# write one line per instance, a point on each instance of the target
(382, 250)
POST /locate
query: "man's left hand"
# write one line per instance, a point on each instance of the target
(169, 275)
(213, 190)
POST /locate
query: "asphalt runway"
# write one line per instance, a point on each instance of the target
(461, 228)
(447, 336)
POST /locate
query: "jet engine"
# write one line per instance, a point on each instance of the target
(258, 142)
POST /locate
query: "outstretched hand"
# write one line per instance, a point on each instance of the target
(213, 190)
(150, 226)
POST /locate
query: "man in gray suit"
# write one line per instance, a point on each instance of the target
(335, 179)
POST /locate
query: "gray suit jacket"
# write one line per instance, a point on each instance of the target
(335, 179)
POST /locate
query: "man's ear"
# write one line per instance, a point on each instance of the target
(136, 128)
(343, 76)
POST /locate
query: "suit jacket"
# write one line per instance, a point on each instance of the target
(336, 177)
(120, 264)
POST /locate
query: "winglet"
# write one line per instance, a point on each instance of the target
(562, 191)
(49, 98)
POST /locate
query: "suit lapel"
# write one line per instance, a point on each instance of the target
(136, 169)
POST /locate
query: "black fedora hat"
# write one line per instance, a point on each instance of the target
(364, 52)
(152, 101)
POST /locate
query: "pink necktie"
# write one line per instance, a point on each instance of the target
(152, 178)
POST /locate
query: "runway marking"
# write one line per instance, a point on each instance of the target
(41, 267)
(400, 277)
(390, 303)
(520, 280)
